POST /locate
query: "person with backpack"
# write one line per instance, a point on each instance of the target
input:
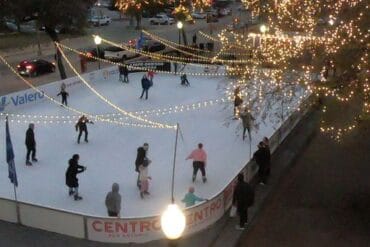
(71, 176)
(243, 198)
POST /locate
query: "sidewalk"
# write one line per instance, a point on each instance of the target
(324, 198)
(221, 234)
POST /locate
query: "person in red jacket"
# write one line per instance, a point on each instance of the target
(199, 157)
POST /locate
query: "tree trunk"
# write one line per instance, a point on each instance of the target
(184, 36)
(54, 37)
(138, 21)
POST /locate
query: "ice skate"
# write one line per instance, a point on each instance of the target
(34, 159)
(77, 198)
(204, 179)
(28, 163)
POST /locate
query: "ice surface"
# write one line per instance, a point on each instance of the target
(111, 151)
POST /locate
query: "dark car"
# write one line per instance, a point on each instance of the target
(154, 47)
(35, 67)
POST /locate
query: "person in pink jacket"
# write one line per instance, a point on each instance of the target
(199, 157)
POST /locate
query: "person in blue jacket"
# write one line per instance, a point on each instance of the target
(190, 198)
(145, 84)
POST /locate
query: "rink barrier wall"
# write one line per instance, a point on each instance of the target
(134, 230)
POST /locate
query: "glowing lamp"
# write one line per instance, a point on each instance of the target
(180, 25)
(97, 40)
(173, 222)
(263, 28)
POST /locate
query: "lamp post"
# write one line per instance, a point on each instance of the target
(263, 30)
(173, 219)
(179, 25)
(97, 41)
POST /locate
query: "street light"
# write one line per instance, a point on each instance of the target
(179, 25)
(97, 41)
(173, 219)
(263, 28)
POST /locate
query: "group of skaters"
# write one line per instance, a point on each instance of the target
(243, 193)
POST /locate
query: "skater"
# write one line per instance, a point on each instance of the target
(261, 156)
(140, 158)
(150, 76)
(144, 178)
(243, 198)
(113, 201)
(145, 84)
(184, 80)
(123, 71)
(199, 157)
(190, 198)
(71, 176)
(237, 102)
(64, 95)
(82, 127)
(30, 144)
(195, 39)
(247, 121)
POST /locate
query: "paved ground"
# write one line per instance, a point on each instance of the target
(117, 31)
(324, 200)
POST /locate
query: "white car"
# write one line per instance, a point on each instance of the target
(161, 19)
(100, 20)
(197, 15)
(118, 54)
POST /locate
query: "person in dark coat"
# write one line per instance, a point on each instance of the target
(82, 127)
(123, 71)
(262, 158)
(64, 95)
(195, 38)
(71, 176)
(145, 84)
(140, 159)
(184, 80)
(30, 144)
(243, 198)
(238, 101)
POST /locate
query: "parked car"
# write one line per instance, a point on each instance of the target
(35, 67)
(224, 12)
(100, 20)
(114, 53)
(197, 15)
(93, 52)
(154, 46)
(161, 19)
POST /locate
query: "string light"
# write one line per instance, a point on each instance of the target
(108, 101)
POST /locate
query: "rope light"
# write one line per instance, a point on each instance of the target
(132, 67)
(96, 118)
(108, 101)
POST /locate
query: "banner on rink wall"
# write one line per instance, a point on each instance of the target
(142, 230)
(151, 65)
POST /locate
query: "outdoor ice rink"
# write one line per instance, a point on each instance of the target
(111, 151)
